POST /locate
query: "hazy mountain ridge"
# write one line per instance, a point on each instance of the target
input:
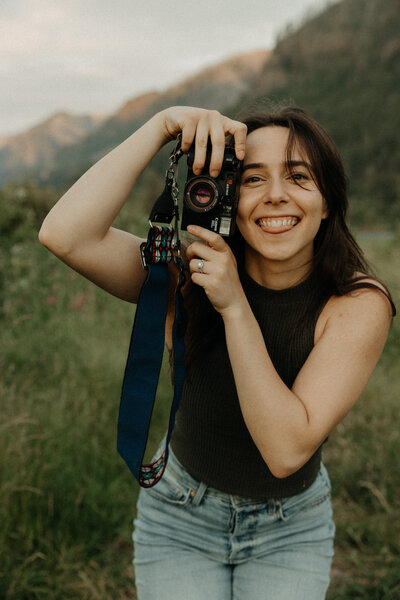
(62, 146)
(135, 106)
(34, 149)
(212, 87)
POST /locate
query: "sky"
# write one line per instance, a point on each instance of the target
(90, 56)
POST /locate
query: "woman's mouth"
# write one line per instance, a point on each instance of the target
(277, 224)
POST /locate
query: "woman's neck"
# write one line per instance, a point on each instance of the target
(274, 275)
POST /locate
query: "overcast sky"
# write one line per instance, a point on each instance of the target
(92, 55)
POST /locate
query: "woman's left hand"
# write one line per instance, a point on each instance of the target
(213, 267)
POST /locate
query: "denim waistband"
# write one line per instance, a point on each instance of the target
(199, 489)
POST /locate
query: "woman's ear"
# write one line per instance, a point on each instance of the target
(325, 212)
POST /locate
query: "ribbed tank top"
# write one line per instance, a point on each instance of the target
(210, 438)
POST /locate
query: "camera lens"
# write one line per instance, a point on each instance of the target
(201, 195)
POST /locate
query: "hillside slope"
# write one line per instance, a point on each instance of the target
(344, 67)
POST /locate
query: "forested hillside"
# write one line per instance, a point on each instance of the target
(344, 67)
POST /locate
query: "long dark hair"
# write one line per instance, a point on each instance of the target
(337, 256)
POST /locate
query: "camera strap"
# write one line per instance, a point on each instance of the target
(147, 342)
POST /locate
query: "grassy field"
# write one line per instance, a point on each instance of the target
(66, 498)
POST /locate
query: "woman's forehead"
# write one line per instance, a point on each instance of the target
(270, 143)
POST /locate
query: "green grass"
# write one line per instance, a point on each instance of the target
(363, 458)
(67, 500)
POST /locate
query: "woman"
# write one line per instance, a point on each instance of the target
(285, 329)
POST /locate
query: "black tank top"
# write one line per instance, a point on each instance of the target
(210, 437)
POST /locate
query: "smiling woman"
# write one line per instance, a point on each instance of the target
(280, 209)
(285, 326)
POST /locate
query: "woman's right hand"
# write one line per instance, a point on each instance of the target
(201, 124)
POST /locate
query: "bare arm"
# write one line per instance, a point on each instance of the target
(79, 227)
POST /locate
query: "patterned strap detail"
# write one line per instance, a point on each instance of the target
(158, 248)
(150, 474)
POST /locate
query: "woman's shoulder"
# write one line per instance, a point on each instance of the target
(366, 304)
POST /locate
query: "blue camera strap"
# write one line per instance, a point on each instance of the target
(147, 342)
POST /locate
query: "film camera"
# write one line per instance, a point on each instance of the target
(212, 202)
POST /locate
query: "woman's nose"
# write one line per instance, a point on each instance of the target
(276, 191)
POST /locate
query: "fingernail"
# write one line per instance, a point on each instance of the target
(214, 173)
(240, 154)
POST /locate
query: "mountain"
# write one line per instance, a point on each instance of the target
(62, 147)
(213, 87)
(33, 151)
(343, 66)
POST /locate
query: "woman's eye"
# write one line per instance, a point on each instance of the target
(299, 177)
(252, 179)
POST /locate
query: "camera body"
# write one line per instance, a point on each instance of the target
(212, 202)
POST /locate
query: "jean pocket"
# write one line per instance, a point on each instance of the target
(169, 489)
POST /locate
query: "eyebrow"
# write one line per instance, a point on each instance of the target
(290, 164)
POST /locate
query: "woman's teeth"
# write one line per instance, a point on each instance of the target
(275, 223)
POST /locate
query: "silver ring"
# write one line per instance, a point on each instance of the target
(200, 266)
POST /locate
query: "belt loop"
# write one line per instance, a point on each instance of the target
(198, 496)
(279, 511)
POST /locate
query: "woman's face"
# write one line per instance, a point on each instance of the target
(277, 218)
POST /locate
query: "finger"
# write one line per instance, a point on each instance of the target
(239, 132)
(199, 249)
(217, 136)
(188, 133)
(199, 265)
(199, 279)
(201, 141)
(214, 240)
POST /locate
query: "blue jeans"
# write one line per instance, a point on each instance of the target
(193, 542)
